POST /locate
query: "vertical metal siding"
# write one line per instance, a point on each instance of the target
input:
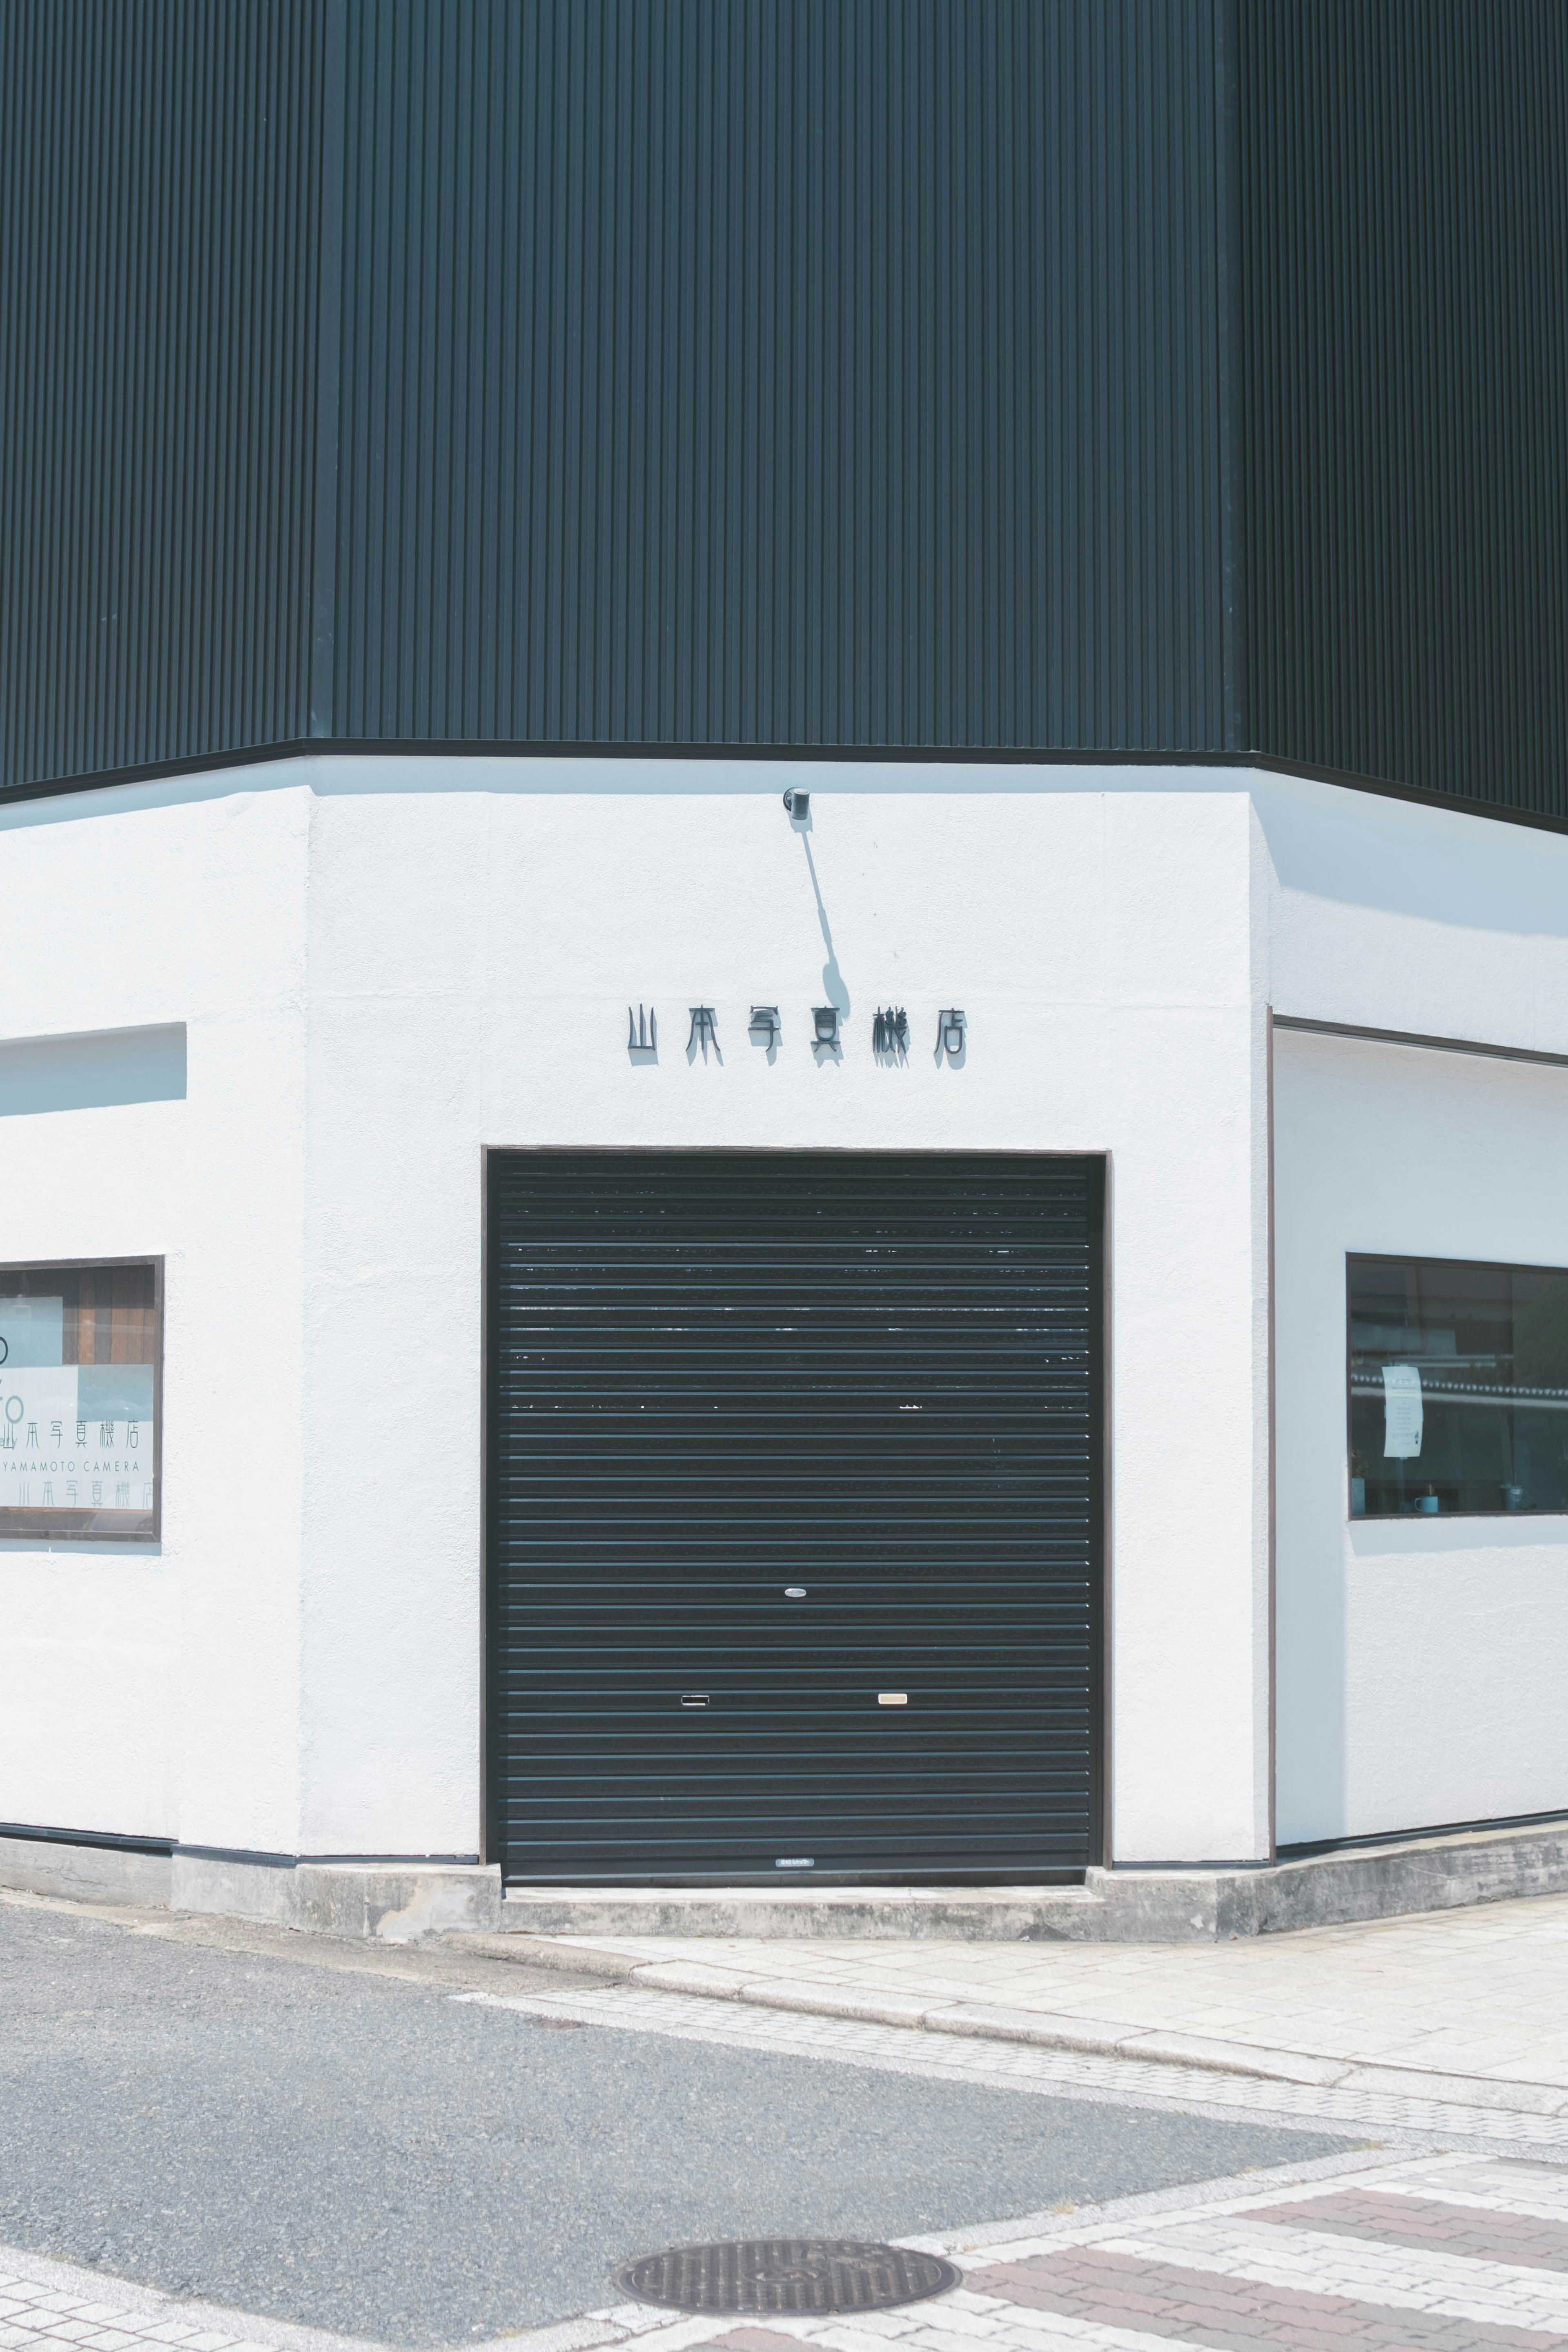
(157, 167)
(780, 372)
(1113, 375)
(1405, 253)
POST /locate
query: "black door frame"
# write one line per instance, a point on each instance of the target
(1099, 1486)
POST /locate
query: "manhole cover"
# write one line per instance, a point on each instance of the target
(760, 2274)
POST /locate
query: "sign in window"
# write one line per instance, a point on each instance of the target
(81, 1402)
(1458, 1387)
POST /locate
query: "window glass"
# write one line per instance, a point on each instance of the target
(80, 1362)
(1458, 1387)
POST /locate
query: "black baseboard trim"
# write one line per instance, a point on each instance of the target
(323, 1861)
(116, 1842)
(109, 1840)
(112, 1842)
(1308, 1852)
(1131, 1869)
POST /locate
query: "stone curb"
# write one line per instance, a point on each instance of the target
(1096, 2037)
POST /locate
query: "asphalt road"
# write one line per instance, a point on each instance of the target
(365, 2154)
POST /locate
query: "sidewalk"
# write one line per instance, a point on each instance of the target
(1467, 2005)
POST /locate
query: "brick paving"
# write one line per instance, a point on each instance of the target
(1490, 2236)
(754, 2340)
(33, 2315)
(1166, 2300)
(1385, 2273)
(1389, 2264)
(1513, 2185)
(1420, 2253)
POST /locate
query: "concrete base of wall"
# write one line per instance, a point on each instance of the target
(391, 1901)
(1150, 1907)
(397, 1902)
(92, 1872)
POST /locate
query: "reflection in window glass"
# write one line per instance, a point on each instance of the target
(78, 1399)
(1458, 1387)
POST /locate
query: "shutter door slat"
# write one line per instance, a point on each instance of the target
(712, 1375)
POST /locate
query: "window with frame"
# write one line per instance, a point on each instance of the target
(81, 1399)
(1458, 1387)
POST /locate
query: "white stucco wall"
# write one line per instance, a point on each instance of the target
(1419, 1667)
(1421, 1662)
(1396, 916)
(385, 965)
(150, 1691)
(471, 956)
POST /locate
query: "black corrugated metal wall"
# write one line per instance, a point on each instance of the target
(159, 241)
(696, 371)
(783, 372)
(942, 375)
(1405, 179)
(794, 1516)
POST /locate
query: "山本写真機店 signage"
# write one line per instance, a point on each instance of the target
(890, 1034)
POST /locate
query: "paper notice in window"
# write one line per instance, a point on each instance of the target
(1401, 1412)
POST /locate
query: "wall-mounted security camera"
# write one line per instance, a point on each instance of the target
(799, 805)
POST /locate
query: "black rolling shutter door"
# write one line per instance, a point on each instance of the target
(874, 1378)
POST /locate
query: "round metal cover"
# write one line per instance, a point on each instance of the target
(780, 2275)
